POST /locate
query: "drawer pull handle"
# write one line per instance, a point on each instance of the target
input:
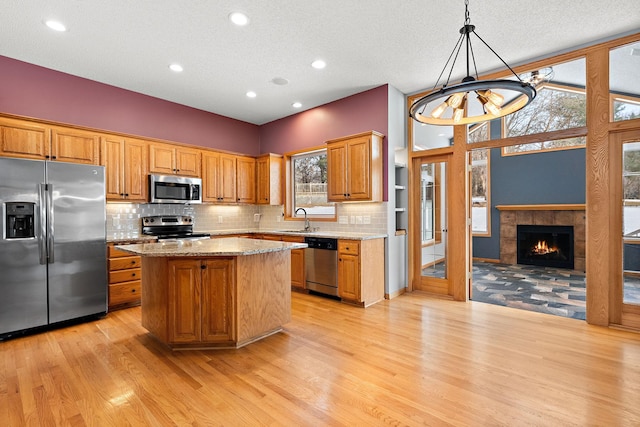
(133, 274)
(133, 291)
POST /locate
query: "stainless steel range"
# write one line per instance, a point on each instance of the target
(171, 227)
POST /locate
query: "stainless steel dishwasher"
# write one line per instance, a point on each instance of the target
(321, 261)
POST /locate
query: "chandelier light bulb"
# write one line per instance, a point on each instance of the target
(494, 97)
(455, 100)
(458, 113)
(437, 112)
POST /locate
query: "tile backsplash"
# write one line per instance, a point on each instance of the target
(123, 219)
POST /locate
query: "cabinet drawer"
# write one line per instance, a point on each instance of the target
(124, 263)
(116, 253)
(349, 247)
(294, 239)
(123, 293)
(125, 275)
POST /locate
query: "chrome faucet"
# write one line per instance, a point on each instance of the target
(307, 225)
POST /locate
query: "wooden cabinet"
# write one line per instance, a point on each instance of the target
(246, 179)
(219, 177)
(126, 164)
(24, 139)
(215, 301)
(200, 300)
(354, 168)
(298, 269)
(125, 278)
(269, 179)
(361, 271)
(31, 140)
(168, 159)
(75, 146)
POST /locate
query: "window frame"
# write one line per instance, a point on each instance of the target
(289, 205)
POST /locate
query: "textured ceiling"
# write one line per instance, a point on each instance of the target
(405, 43)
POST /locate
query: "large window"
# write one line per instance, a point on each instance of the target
(480, 201)
(307, 186)
(555, 108)
(624, 85)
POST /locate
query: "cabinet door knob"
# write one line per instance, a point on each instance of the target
(133, 274)
(203, 266)
(133, 291)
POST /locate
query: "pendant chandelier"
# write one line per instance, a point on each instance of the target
(451, 105)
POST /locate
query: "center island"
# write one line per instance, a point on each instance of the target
(215, 293)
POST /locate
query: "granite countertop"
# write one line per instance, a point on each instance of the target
(137, 239)
(233, 246)
(329, 234)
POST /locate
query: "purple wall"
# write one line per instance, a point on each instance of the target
(33, 91)
(357, 113)
(42, 93)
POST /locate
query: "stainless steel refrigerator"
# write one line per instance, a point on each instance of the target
(52, 245)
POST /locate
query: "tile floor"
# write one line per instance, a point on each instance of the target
(554, 291)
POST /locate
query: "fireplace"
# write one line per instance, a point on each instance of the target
(546, 245)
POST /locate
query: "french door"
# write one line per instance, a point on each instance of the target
(431, 218)
(625, 170)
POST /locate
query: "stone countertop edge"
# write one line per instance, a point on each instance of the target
(214, 233)
(210, 248)
(329, 234)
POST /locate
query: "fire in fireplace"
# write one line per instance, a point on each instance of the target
(545, 245)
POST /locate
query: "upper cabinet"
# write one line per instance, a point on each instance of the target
(269, 179)
(246, 179)
(168, 159)
(355, 169)
(75, 146)
(32, 140)
(126, 164)
(24, 139)
(219, 177)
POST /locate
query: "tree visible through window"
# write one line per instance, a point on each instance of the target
(309, 179)
(554, 108)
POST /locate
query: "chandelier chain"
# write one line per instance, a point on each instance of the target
(467, 17)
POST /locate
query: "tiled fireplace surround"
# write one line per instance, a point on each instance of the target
(511, 217)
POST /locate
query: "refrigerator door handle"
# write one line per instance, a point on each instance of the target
(42, 223)
(50, 229)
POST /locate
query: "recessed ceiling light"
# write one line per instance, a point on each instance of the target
(251, 94)
(279, 81)
(239, 18)
(55, 25)
(176, 67)
(296, 105)
(318, 64)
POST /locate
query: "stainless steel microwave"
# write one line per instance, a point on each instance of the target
(174, 189)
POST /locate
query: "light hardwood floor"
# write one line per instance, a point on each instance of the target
(414, 360)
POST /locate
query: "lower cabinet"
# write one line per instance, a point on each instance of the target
(200, 301)
(298, 274)
(207, 302)
(361, 271)
(125, 278)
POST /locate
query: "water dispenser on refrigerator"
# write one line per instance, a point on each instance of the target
(20, 220)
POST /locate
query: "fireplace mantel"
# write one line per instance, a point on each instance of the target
(556, 207)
